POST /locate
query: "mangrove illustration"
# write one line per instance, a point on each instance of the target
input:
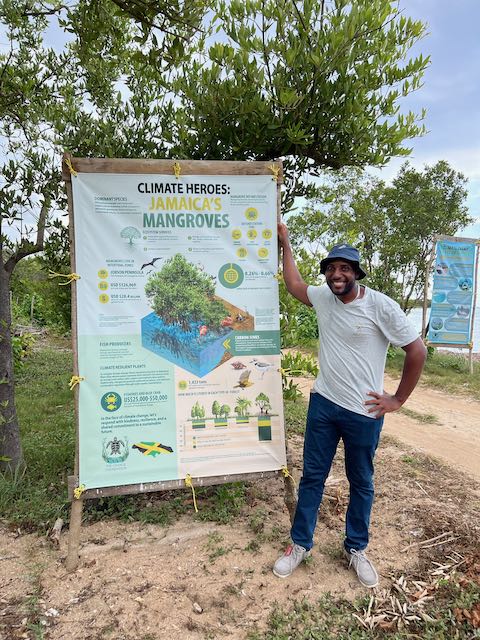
(189, 323)
(130, 233)
(181, 294)
(263, 403)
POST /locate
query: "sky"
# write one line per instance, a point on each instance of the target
(451, 94)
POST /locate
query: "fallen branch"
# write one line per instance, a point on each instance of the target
(421, 543)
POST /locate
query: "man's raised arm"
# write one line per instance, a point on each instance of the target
(293, 280)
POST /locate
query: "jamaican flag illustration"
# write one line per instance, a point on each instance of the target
(152, 448)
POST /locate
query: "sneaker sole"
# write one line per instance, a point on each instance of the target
(279, 575)
(368, 586)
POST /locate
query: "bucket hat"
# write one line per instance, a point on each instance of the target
(343, 252)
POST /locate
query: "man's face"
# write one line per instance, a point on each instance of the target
(341, 277)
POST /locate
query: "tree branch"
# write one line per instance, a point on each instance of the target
(26, 248)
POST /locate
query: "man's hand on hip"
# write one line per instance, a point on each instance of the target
(382, 403)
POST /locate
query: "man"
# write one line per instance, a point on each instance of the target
(355, 325)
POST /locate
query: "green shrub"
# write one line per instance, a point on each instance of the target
(21, 347)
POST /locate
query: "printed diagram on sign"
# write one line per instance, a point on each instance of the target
(243, 414)
(190, 325)
(254, 415)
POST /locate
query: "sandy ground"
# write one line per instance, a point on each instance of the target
(453, 437)
(197, 581)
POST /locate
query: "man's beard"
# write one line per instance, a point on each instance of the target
(345, 291)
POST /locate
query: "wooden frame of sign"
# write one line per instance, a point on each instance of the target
(468, 346)
(161, 167)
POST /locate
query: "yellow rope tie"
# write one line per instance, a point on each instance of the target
(287, 474)
(74, 380)
(77, 492)
(69, 164)
(70, 277)
(275, 169)
(177, 169)
(189, 483)
(278, 276)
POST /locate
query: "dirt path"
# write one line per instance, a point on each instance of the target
(203, 581)
(454, 434)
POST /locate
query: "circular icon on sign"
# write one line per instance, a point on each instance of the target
(242, 252)
(103, 298)
(267, 234)
(465, 284)
(252, 234)
(182, 385)
(251, 213)
(230, 275)
(111, 401)
(103, 286)
(262, 252)
(436, 323)
(236, 234)
(103, 273)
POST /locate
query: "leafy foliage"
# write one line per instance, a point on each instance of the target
(393, 225)
(315, 82)
(22, 346)
(180, 293)
(296, 364)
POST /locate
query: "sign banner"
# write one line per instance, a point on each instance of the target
(454, 283)
(178, 327)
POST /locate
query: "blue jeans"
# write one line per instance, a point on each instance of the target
(326, 424)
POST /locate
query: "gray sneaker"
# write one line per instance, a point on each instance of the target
(286, 564)
(363, 567)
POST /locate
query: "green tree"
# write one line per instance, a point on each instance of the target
(225, 410)
(216, 408)
(198, 411)
(180, 293)
(263, 403)
(317, 82)
(242, 406)
(393, 225)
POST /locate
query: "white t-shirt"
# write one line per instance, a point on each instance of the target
(354, 339)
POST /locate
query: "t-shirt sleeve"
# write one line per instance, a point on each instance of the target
(315, 295)
(395, 325)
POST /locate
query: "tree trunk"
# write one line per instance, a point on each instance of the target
(11, 454)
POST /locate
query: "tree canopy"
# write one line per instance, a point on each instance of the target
(393, 225)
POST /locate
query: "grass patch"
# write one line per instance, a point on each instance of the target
(35, 498)
(295, 416)
(445, 371)
(333, 619)
(424, 418)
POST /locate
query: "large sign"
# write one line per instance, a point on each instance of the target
(178, 326)
(454, 284)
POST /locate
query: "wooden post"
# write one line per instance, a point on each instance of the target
(475, 280)
(32, 307)
(74, 534)
(425, 292)
(77, 504)
(290, 490)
